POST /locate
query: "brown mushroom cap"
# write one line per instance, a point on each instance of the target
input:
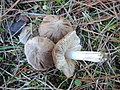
(54, 27)
(38, 51)
(70, 41)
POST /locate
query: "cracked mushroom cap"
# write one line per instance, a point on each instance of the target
(38, 51)
(54, 27)
(70, 41)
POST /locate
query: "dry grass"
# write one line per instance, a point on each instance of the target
(97, 23)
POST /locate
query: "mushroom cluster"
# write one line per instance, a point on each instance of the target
(57, 45)
(38, 50)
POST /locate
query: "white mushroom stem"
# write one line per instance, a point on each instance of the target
(84, 55)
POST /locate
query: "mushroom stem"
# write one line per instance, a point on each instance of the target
(84, 55)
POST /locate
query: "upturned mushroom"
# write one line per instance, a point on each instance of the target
(54, 27)
(38, 51)
(67, 50)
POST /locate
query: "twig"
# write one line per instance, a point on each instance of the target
(10, 8)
